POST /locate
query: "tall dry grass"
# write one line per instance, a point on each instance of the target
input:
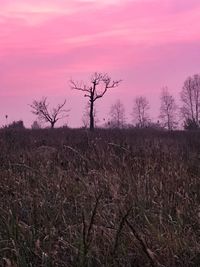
(110, 198)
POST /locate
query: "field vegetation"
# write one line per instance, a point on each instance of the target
(104, 198)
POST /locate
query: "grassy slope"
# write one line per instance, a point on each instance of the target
(111, 198)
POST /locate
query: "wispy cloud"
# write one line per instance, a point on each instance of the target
(44, 42)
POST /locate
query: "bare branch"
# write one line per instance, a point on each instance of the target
(79, 86)
(117, 115)
(100, 83)
(107, 85)
(190, 96)
(168, 109)
(141, 111)
(41, 109)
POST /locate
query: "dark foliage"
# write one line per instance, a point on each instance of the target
(191, 125)
(16, 125)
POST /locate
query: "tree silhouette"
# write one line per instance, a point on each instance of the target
(99, 84)
(141, 111)
(45, 114)
(190, 96)
(117, 114)
(35, 125)
(168, 110)
(16, 125)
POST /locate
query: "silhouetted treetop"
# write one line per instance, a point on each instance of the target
(45, 114)
(98, 86)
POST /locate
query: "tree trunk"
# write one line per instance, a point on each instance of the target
(168, 123)
(91, 115)
(52, 124)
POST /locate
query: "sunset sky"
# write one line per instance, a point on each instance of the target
(44, 43)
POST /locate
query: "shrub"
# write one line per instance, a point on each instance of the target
(19, 125)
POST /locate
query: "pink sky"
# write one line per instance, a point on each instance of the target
(43, 43)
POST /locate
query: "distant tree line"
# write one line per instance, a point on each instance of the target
(171, 116)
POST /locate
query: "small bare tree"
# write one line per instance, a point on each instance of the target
(141, 111)
(168, 110)
(45, 114)
(117, 114)
(36, 125)
(190, 96)
(99, 84)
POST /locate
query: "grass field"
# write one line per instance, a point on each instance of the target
(109, 198)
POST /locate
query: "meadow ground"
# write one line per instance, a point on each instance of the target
(109, 198)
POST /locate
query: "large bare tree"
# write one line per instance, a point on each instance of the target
(99, 84)
(168, 110)
(117, 115)
(46, 114)
(190, 96)
(141, 111)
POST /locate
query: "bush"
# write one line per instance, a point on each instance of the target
(191, 125)
(35, 125)
(19, 125)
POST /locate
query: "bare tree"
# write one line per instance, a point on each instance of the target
(45, 114)
(190, 96)
(141, 111)
(36, 125)
(99, 84)
(117, 114)
(168, 110)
